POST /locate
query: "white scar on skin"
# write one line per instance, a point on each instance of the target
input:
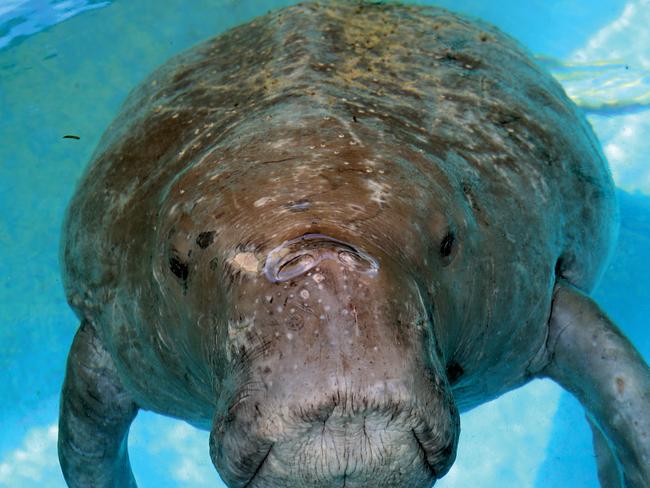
(237, 335)
(280, 143)
(246, 261)
(263, 201)
(379, 191)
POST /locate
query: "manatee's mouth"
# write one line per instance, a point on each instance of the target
(391, 448)
(421, 448)
(259, 468)
(425, 456)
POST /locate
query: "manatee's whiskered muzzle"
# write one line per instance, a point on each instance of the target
(395, 443)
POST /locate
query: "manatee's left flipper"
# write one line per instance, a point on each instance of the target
(95, 416)
(590, 357)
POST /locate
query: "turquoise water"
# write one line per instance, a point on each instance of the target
(65, 67)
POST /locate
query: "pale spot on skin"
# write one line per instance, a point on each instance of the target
(236, 333)
(281, 143)
(262, 201)
(620, 385)
(246, 261)
(235, 327)
(379, 191)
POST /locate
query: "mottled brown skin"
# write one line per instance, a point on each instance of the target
(408, 137)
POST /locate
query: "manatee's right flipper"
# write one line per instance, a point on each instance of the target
(590, 357)
(94, 419)
(609, 471)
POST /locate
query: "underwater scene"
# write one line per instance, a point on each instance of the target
(67, 66)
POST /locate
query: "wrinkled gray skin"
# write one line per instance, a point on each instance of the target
(323, 234)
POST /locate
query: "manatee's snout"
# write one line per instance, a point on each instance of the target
(336, 380)
(380, 441)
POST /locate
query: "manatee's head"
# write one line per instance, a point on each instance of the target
(336, 380)
(312, 264)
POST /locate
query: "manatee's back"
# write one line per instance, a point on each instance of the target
(472, 94)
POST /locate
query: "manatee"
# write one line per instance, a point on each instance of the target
(323, 234)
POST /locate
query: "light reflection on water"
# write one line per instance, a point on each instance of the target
(607, 88)
(20, 18)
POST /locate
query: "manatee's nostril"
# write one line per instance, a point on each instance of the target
(297, 256)
(347, 258)
(355, 261)
(295, 266)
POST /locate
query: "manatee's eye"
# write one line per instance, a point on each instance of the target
(454, 372)
(204, 239)
(447, 244)
(178, 267)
